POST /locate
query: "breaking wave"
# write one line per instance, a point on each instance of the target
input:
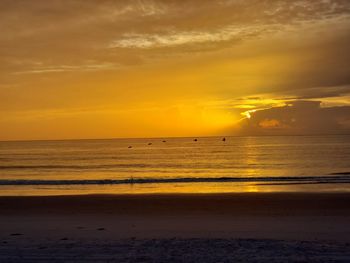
(341, 178)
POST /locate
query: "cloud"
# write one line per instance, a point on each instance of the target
(174, 38)
(323, 92)
(71, 32)
(296, 118)
(69, 68)
(212, 22)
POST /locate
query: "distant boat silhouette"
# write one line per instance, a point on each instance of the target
(224, 139)
(130, 147)
(149, 143)
(195, 140)
(164, 141)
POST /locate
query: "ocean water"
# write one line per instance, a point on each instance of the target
(176, 165)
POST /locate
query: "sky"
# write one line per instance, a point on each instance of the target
(106, 69)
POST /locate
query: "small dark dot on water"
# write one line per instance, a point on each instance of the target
(16, 234)
(64, 238)
(4, 242)
(100, 229)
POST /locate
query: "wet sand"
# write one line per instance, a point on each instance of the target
(40, 227)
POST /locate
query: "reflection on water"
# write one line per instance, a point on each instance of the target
(238, 157)
(171, 188)
(250, 153)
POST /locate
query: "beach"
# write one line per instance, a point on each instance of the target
(175, 131)
(313, 227)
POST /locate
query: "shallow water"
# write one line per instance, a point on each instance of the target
(163, 165)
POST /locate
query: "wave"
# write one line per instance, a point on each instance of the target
(289, 179)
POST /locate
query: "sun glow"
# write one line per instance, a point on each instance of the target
(247, 114)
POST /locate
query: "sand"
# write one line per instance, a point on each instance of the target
(278, 227)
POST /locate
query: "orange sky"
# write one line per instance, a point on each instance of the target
(102, 69)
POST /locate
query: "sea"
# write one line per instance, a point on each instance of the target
(176, 165)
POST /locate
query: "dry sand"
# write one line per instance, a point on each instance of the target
(293, 227)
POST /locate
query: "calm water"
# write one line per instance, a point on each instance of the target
(240, 164)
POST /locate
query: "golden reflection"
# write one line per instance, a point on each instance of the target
(251, 188)
(249, 157)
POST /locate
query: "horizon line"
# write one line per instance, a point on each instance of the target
(175, 137)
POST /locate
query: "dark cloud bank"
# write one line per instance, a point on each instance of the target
(297, 118)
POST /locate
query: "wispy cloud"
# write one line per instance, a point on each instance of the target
(69, 68)
(251, 19)
(178, 38)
